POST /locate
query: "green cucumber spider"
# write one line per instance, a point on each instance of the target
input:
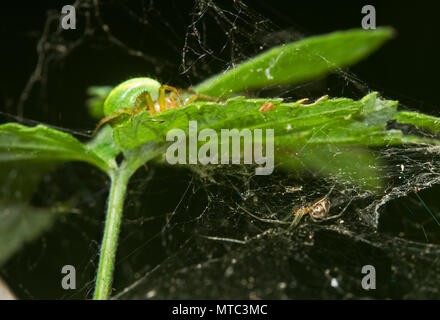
(128, 96)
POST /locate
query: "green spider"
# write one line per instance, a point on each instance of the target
(128, 96)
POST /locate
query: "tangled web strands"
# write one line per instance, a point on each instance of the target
(256, 258)
(199, 238)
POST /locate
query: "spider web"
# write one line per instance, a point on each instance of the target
(192, 232)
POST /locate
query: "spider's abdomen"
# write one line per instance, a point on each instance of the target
(320, 208)
(125, 94)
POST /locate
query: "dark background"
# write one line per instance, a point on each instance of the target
(405, 69)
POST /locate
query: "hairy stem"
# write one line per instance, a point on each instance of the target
(109, 245)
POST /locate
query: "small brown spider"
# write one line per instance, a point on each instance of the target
(318, 212)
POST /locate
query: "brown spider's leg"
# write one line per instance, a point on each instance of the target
(263, 219)
(298, 215)
(109, 118)
(295, 221)
(148, 101)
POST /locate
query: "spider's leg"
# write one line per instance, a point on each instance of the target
(161, 100)
(110, 118)
(172, 101)
(263, 219)
(198, 96)
(296, 220)
(150, 104)
(192, 99)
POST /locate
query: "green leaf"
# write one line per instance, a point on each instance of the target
(19, 221)
(339, 121)
(420, 120)
(377, 112)
(41, 143)
(27, 154)
(19, 179)
(316, 134)
(104, 146)
(297, 62)
(348, 165)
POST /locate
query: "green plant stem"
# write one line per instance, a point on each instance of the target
(119, 181)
